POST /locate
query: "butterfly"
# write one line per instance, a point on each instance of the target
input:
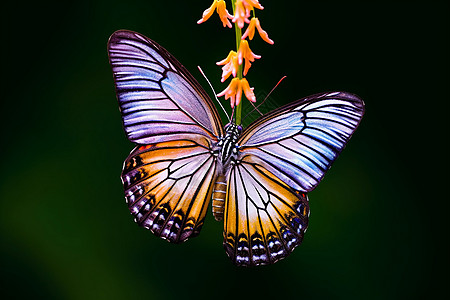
(258, 178)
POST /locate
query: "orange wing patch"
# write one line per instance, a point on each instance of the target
(264, 218)
(168, 187)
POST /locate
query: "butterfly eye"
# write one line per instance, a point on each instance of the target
(239, 128)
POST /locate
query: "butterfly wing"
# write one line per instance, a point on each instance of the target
(299, 142)
(264, 218)
(282, 156)
(168, 187)
(167, 178)
(158, 98)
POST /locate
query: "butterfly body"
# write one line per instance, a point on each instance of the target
(257, 177)
(226, 150)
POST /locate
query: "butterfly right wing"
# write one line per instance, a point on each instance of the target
(281, 157)
(168, 186)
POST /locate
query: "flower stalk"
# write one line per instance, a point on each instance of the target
(238, 31)
(238, 62)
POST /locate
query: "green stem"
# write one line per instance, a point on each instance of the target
(237, 115)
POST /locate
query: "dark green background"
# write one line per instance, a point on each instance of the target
(379, 220)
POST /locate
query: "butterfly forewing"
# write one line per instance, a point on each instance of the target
(299, 142)
(158, 98)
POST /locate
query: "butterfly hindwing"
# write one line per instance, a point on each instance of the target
(264, 218)
(168, 187)
(158, 98)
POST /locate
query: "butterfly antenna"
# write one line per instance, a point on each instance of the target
(210, 85)
(256, 107)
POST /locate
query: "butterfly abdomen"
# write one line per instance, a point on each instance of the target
(218, 197)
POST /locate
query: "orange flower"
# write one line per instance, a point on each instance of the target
(250, 32)
(250, 4)
(241, 14)
(248, 91)
(244, 53)
(242, 10)
(230, 65)
(234, 91)
(220, 7)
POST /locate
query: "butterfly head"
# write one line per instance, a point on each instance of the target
(233, 129)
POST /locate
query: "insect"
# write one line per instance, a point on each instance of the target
(257, 178)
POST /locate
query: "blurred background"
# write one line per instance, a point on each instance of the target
(379, 220)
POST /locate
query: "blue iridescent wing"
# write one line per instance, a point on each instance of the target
(158, 98)
(282, 156)
(168, 176)
(299, 142)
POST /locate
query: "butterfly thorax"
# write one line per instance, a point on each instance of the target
(227, 144)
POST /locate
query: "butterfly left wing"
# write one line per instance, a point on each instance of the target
(168, 180)
(282, 156)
